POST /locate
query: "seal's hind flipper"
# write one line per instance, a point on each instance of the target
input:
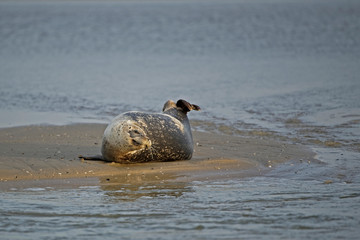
(186, 106)
(93, 158)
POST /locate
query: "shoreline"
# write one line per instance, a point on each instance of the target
(34, 155)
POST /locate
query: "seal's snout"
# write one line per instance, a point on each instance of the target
(147, 144)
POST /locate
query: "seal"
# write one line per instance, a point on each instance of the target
(135, 137)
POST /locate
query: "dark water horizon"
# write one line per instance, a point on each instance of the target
(279, 69)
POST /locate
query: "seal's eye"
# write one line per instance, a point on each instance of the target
(134, 133)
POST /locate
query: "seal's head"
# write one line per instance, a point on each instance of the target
(122, 139)
(137, 138)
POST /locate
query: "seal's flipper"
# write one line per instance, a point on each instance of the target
(93, 158)
(186, 106)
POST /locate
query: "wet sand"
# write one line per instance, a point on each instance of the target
(48, 155)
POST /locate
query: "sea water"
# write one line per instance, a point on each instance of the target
(279, 69)
(256, 208)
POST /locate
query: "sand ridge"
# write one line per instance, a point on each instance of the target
(51, 152)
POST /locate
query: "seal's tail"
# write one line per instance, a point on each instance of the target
(93, 158)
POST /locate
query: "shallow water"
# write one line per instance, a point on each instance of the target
(257, 208)
(284, 70)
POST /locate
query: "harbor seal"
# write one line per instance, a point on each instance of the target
(135, 137)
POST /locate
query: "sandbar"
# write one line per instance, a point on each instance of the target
(38, 155)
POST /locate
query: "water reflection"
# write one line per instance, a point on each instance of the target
(130, 188)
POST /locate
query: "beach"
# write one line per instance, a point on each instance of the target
(51, 152)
